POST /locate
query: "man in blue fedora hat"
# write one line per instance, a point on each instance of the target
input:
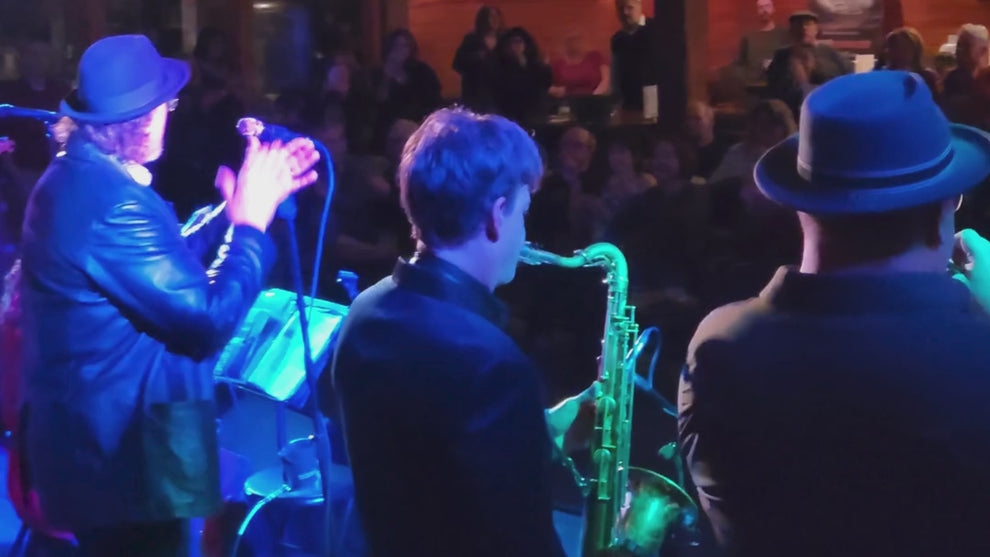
(122, 320)
(844, 410)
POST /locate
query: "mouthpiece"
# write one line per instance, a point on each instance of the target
(531, 255)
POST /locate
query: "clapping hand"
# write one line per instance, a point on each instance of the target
(269, 175)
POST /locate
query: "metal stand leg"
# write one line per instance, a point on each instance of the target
(20, 542)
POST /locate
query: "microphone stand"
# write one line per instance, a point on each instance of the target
(288, 211)
(324, 455)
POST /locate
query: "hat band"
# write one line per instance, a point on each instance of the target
(125, 102)
(881, 179)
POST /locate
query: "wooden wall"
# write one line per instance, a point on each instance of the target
(439, 26)
(935, 19)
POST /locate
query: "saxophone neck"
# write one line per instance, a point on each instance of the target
(602, 254)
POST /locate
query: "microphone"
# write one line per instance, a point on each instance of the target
(46, 116)
(253, 127)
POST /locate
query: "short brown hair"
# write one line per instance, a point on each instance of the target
(454, 168)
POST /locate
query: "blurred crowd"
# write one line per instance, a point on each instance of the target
(677, 197)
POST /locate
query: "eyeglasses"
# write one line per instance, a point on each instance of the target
(172, 105)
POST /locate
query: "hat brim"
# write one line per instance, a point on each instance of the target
(776, 175)
(174, 78)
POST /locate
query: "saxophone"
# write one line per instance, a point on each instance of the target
(628, 510)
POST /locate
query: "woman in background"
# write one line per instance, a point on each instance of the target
(902, 50)
(476, 59)
(522, 78)
(406, 88)
(579, 71)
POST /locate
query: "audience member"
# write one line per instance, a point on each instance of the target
(971, 56)
(756, 49)
(973, 109)
(522, 79)
(476, 59)
(797, 69)
(708, 148)
(903, 49)
(405, 87)
(579, 71)
(750, 236)
(563, 210)
(635, 54)
(362, 243)
(843, 410)
(347, 94)
(769, 123)
(627, 178)
(202, 132)
(663, 233)
(944, 63)
(32, 150)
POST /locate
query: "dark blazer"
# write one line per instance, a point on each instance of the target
(843, 416)
(121, 322)
(636, 63)
(443, 419)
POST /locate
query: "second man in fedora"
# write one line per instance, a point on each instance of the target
(844, 411)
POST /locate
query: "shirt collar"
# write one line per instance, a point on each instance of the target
(868, 294)
(431, 276)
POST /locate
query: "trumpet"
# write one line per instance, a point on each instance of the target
(628, 510)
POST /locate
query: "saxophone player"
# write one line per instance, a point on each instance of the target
(441, 411)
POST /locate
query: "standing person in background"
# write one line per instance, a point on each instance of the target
(522, 79)
(477, 58)
(756, 49)
(118, 416)
(405, 86)
(202, 134)
(903, 50)
(579, 71)
(843, 411)
(971, 56)
(635, 54)
(798, 69)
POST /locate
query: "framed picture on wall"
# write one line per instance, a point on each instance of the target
(850, 25)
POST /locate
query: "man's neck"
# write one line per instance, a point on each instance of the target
(816, 260)
(465, 257)
(639, 23)
(769, 26)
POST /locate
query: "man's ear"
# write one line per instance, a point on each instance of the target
(495, 220)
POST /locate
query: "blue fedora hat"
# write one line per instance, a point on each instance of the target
(872, 143)
(122, 78)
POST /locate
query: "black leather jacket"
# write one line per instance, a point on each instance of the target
(121, 323)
